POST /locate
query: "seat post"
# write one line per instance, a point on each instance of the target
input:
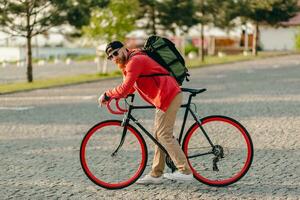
(185, 117)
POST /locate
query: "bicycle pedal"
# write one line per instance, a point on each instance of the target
(215, 168)
(170, 164)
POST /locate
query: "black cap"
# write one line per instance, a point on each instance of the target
(112, 46)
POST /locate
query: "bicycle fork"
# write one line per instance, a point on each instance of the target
(124, 124)
(121, 142)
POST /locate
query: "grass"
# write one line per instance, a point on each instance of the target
(54, 82)
(67, 80)
(213, 60)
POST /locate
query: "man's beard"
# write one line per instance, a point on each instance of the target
(122, 59)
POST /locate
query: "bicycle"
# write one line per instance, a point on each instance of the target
(218, 148)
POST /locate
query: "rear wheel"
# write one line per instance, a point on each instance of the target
(108, 170)
(224, 162)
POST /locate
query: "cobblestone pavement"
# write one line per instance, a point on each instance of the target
(41, 132)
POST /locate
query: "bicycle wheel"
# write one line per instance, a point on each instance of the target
(227, 160)
(113, 171)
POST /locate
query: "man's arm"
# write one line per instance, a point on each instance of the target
(134, 69)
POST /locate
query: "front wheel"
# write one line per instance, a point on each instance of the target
(226, 158)
(106, 167)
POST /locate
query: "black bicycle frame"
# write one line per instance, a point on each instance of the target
(129, 117)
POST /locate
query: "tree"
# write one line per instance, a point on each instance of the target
(270, 12)
(78, 12)
(177, 16)
(148, 12)
(28, 18)
(206, 13)
(113, 22)
(297, 40)
(224, 13)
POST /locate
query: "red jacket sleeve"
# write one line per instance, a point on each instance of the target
(132, 71)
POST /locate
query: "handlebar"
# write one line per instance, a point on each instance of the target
(118, 106)
(120, 111)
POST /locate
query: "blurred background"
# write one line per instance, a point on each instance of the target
(50, 38)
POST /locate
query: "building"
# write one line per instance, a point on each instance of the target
(44, 46)
(282, 37)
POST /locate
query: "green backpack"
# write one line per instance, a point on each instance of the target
(164, 52)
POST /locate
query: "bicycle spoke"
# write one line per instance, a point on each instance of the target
(231, 155)
(118, 170)
(198, 155)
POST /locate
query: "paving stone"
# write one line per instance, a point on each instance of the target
(40, 146)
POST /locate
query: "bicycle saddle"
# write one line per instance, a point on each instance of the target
(193, 91)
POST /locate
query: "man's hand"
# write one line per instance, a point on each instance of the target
(103, 99)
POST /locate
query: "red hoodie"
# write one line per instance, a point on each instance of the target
(157, 90)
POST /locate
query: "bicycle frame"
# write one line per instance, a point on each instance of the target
(210, 152)
(128, 117)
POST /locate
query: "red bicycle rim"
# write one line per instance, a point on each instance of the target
(237, 175)
(94, 178)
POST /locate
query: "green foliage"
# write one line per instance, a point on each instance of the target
(113, 22)
(269, 11)
(190, 48)
(177, 14)
(44, 14)
(224, 12)
(297, 40)
(33, 17)
(205, 10)
(148, 12)
(78, 12)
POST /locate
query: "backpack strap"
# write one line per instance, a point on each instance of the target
(150, 75)
(136, 52)
(143, 52)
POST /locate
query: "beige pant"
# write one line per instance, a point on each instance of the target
(164, 124)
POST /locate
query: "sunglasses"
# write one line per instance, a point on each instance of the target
(114, 53)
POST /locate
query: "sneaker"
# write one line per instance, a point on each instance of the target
(148, 179)
(178, 176)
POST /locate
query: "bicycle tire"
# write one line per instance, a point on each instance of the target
(188, 148)
(87, 165)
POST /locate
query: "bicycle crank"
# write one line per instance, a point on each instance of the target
(219, 153)
(170, 164)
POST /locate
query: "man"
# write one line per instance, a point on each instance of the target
(161, 91)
